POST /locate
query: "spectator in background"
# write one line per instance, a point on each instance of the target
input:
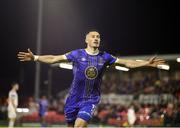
(169, 117)
(131, 115)
(43, 107)
(12, 103)
(32, 105)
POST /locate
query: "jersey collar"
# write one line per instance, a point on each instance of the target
(91, 53)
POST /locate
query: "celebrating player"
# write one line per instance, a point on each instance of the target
(88, 67)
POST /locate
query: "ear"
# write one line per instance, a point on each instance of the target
(86, 40)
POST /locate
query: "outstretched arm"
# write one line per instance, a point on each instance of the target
(152, 62)
(49, 59)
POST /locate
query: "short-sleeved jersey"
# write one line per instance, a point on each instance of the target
(43, 106)
(12, 96)
(87, 71)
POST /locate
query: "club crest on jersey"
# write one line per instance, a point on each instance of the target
(91, 72)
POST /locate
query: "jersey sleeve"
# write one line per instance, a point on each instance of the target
(71, 56)
(110, 59)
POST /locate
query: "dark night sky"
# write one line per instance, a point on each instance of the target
(127, 27)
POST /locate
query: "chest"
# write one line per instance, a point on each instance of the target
(91, 61)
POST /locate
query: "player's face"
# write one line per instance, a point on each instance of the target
(16, 87)
(93, 39)
(43, 97)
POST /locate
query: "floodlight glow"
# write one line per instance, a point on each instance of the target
(121, 68)
(19, 110)
(65, 65)
(163, 66)
(178, 60)
(25, 110)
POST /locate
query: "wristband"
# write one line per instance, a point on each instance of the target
(36, 57)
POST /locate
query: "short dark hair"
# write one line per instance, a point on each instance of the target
(14, 83)
(91, 30)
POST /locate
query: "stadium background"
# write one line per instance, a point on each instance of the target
(128, 28)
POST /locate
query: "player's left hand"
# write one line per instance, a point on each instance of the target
(154, 61)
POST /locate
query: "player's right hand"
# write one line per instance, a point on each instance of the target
(26, 56)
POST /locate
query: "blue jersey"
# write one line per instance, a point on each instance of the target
(87, 71)
(43, 105)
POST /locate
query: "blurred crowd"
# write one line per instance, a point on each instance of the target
(136, 113)
(138, 82)
(141, 83)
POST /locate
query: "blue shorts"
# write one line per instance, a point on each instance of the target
(41, 114)
(83, 110)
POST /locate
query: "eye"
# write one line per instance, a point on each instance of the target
(98, 36)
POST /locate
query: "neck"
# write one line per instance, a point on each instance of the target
(92, 51)
(14, 89)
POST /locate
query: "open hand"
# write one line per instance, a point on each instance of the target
(26, 56)
(154, 61)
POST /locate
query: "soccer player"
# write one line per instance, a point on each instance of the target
(88, 67)
(12, 104)
(43, 106)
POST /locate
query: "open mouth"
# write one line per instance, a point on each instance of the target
(96, 42)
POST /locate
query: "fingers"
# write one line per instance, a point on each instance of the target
(29, 51)
(22, 58)
(22, 53)
(152, 58)
(159, 61)
(25, 53)
(162, 61)
(25, 56)
(155, 59)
